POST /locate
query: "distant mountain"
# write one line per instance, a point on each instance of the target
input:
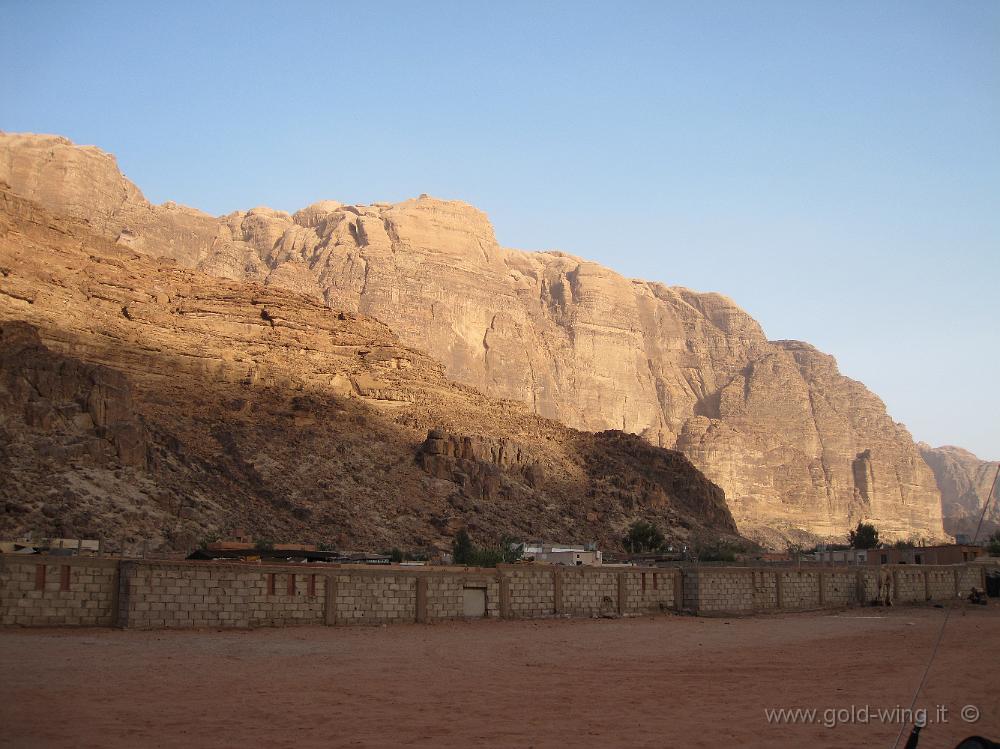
(965, 483)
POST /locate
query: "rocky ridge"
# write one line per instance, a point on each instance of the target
(801, 451)
(157, 406)
(965, 483)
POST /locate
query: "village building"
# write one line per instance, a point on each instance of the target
(945, 554)
(572, 555)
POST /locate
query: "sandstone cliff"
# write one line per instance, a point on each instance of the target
(157, 406)
(800, 450)
(965, 482)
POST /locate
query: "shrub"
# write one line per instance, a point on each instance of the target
(993, 545)
(643, 537)
(720, 552)
(865, 536)
(464, 552)
(461, 547)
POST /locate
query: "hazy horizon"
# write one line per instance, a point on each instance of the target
(834, 170)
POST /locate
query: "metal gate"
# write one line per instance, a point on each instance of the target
(474, 602)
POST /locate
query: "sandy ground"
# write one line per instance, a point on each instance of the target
(653, 682)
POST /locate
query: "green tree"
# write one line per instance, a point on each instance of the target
(464, 552)
(993, 544)
(642, 537)
(462, 549)
(512, 549)
(865, 536)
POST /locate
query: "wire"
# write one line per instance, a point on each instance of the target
(985, 505)
(947, 614)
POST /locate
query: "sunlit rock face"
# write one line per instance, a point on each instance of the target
(800, 450)
(158, 406)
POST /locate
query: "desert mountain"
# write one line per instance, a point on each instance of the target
(155, 405)
(965, 483)
(800, 450)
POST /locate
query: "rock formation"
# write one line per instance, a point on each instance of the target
(801, 451)
(965, 482)
(157, 406)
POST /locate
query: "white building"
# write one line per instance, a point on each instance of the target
(574, 556)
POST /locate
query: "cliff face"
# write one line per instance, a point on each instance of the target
(965, 482)
(800, 450)
(156, 405)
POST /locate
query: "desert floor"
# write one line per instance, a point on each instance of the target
(664, 681)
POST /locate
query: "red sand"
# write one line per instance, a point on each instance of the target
(652, 682)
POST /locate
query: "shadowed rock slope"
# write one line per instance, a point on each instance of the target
(151, 403)
(801, 451)
(965, 482)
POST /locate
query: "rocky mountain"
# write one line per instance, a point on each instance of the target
(801, 451)
(157, 406)
(965, 482)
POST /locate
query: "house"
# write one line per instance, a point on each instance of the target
(841, 556)
(62, 547)
(656, 558)
(944, 554)
(572, 555)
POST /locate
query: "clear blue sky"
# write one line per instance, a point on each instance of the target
(832, 166)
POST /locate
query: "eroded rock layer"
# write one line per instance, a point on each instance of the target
(157, 406)
(800, 450)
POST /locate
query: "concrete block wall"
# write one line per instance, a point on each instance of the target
(57, 591)
(765, 590)
(969, 577)
(941, 583)
(799, 588)
(374, 598)
(651, 591)
(908, 585)
(719, 589)
(869, 583)
(156, 594)
(743, 590)
(840, 588)
(39, 591)
(586, 592)
(446, 594)
(531, 591)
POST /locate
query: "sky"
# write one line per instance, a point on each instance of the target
(833, 167)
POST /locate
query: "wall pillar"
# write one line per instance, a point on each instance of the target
(330, 603)
(116, 583)
(421, 605)
(958, 586)
(122, 593)
(778, 577)
(822, 591)
(678, 589)
(621, 593)
(557, 591)
(505, 612)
